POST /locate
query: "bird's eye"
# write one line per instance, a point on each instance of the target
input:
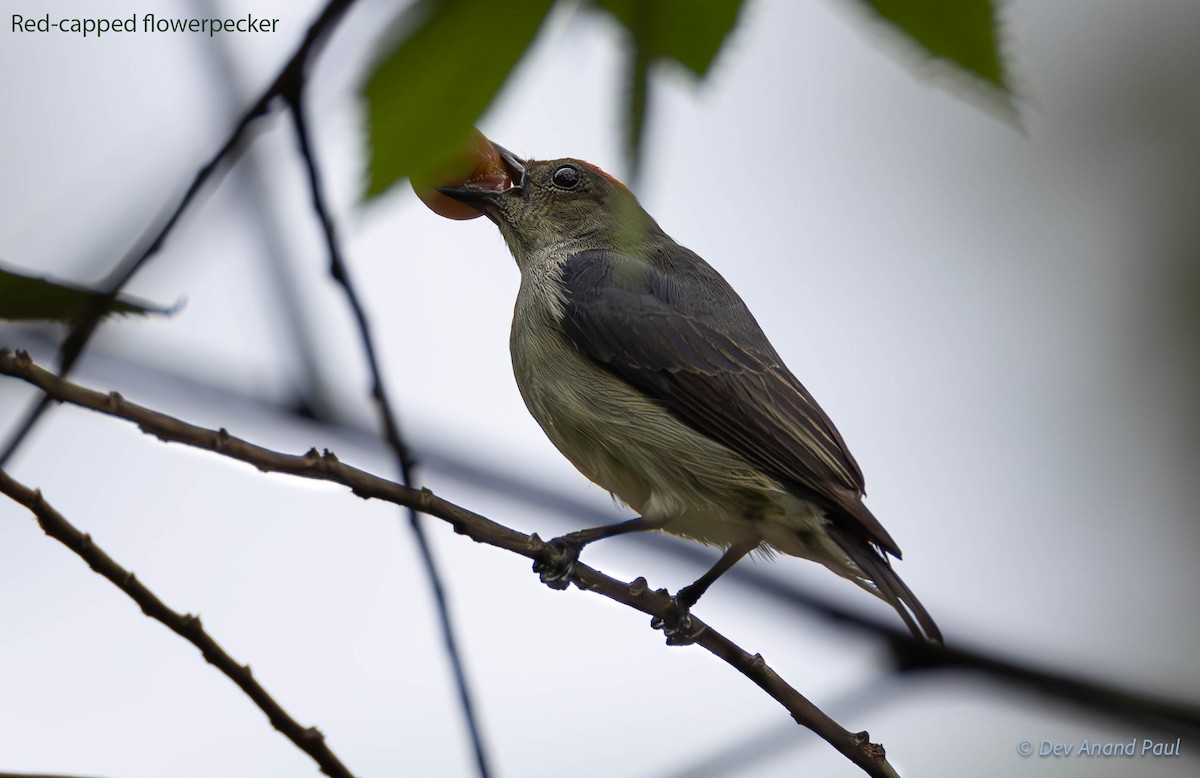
(566, 177)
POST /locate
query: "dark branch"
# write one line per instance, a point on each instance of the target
(391, 426)
(307, 739)
(908, 655)
(326, 467)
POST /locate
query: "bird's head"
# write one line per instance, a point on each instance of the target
(560, 203)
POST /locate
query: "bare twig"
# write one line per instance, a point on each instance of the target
(325, 466)
(250, 178)
(290, 77)
(391, 426)
(186, 625)
(1170, 715)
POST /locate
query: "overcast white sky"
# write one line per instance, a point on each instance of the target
(988, 316)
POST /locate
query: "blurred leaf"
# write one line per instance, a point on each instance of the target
(28, 298)
(690, 32)
(425, 95)
(639, 97)
(961, 31)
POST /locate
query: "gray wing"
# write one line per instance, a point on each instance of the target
(677, 331)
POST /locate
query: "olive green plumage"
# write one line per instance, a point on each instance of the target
(649, 373)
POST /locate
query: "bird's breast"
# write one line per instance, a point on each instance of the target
(625, 441)
(574, 401)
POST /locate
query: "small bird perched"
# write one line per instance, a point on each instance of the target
(649, 373)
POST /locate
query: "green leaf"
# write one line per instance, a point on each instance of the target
(963, 32)
(424, 96)
(29, 298)
(690, 32)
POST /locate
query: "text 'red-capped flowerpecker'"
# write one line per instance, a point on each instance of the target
(648, 372)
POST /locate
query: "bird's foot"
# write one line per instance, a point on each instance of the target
(557, 562)
(677, 624)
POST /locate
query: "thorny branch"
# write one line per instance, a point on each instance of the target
(186, 625)
(325, 466)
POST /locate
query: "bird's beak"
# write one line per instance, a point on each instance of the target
(515, 167)
(489, 188)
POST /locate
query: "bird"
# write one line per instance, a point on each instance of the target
(648, 372)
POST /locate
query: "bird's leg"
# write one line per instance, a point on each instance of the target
(556, 574)
(677, 623)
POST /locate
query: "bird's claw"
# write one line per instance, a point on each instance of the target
(677, 625)
(554, 567)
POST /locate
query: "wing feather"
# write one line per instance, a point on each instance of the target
(676, 330)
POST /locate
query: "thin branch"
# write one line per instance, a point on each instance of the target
(391, 426)
(254, 192)
(911, 656)
(290, 77)
(326, 467)
(1145, 709)
(307, 739)
(752, 745)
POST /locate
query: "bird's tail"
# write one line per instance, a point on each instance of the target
(883, 582)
